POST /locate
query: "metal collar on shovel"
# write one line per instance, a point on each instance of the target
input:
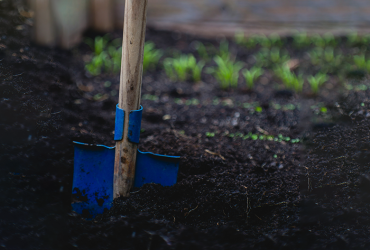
(103, 173)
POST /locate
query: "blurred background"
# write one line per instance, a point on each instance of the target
(62, 22)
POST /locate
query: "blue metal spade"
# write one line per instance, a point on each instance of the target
(92, 191)
(102, 173)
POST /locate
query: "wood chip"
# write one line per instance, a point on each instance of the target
(213, 153)
(293, 64)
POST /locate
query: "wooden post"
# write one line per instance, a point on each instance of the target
(44, 26)
(102, 15)
(129, 92)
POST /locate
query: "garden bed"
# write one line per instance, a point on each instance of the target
(261, 168)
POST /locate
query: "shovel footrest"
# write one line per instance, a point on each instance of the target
(134, 124)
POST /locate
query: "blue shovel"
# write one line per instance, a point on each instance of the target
(103, 173)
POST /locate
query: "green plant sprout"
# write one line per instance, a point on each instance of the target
(327, 59)
(224, 50)
(290, 80)
(151, 56)
(98, 44)
(316, 81)
(202, 51)
(210, 134)
(324, 40)
(275, 40)
(226, 72)
(195, 68)
(262, 57)
(240, 38)
(249, 42)
(115, 55)
(330, 40)
(251, 76)
(301, 40)
(107, 56)
(272, 40)
(361, 62)
(179, 68)
(150, 97)
(261, 137)
(268, 57)
(330, 57)
(316, 55)
(355, 40)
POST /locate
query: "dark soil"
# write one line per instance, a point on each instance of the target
(231, 193)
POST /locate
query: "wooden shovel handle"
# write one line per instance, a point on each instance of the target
(129, 92)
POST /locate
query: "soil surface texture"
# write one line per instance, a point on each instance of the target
(233, 191)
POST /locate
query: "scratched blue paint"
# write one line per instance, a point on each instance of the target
(92, 190)
(134, 125)
(120, 118)
(155, 168)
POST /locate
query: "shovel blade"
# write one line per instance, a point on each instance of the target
(92, 190)
(154, 168)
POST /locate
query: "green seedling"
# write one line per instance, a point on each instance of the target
(167, 64)
(290, 80)
(99, 62)
(275, 55)
(100, 59)
(276, 106)
(151, 56)
(180, 65)
(361, 62)
(289, 106)
(355, 40)
(97, 45)
(107, 56)
(224, 50)
(317, 81)
(183, 68)
(251, 76)
(226, 72)
(262, 57)
(195, 68)
(192, 101)
(240, 38)
(268, 57)
(107, 84)
(325, 40)
(330, 57)
(326, 59)
(210, 134)
(301, 40)
(249, 42)
(330, 40)
(318, 41)
(263, 41)
(273, 40)
(361, 87)
(202, 51)
(115, 55)
(316, 55)
(150, 97)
